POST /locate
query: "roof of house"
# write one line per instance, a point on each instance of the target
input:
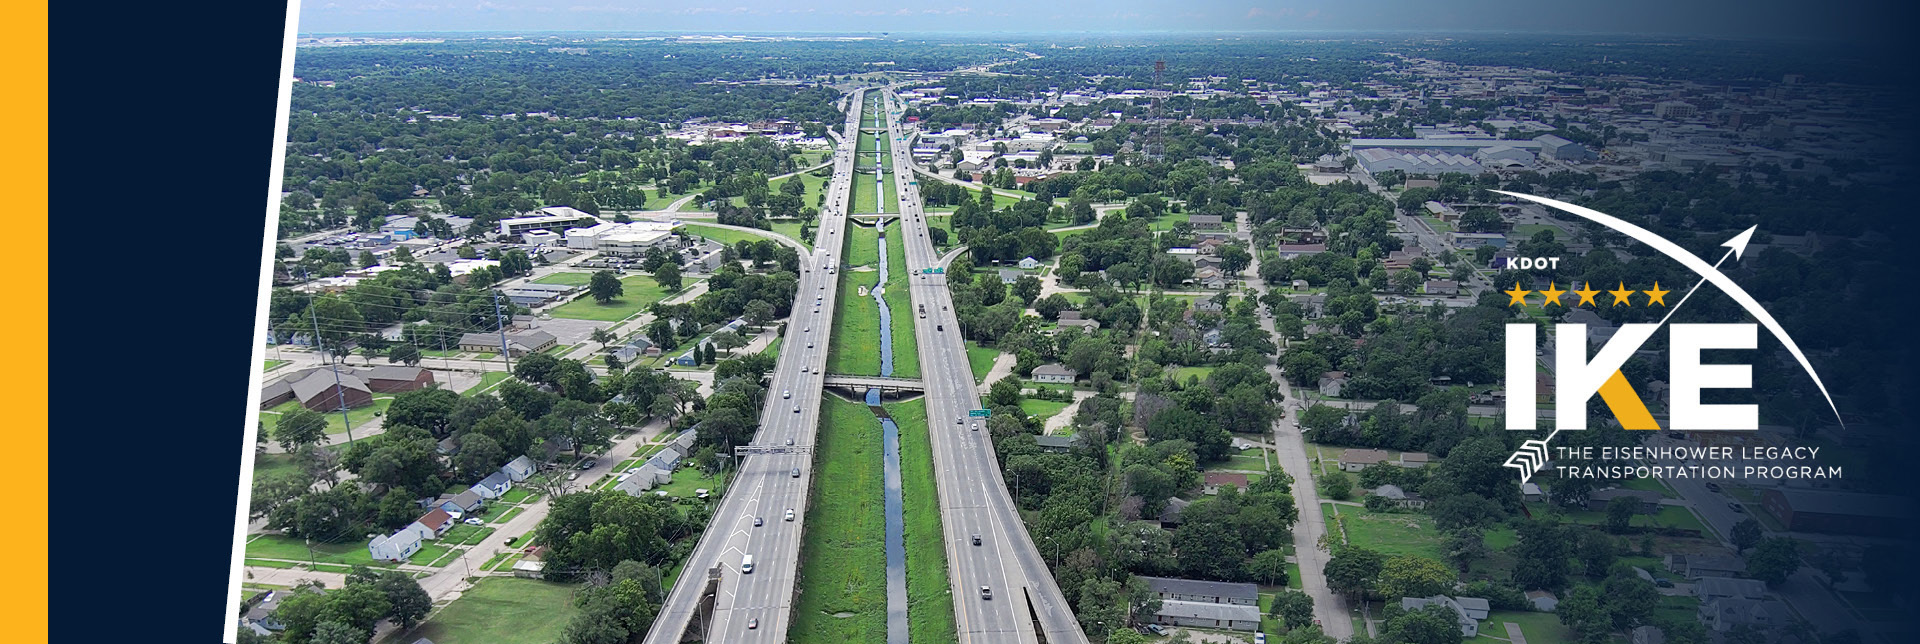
(1390, 492)
(321, 381)
(434, 518)
(466, 498)
(1413, 457)
(1364, 456)
(522, 464)
(496, 478)
(634, 485)
(1057, 441)
(1178, 586)
(1175, 507)
(390, 372)
(1730, 587)
(1209, 610)
(1054, 370)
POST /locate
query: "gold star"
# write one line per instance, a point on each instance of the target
(1587, 294)
(1553, 294)
(1622, 296)
(1656, 296)
(1518, 295)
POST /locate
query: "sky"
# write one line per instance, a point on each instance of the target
(1734, 18)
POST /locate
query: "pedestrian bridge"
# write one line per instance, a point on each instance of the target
(883, 383)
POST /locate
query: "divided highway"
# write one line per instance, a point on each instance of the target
(757, 605)
(973, 497)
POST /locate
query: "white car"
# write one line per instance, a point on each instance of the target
(786, 394)
(796, 409)
(789, 514)
(474, 521)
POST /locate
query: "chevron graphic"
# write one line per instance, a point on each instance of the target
(1531, 457)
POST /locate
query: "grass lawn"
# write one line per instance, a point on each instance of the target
(275, 364)
(464, 534)
(488, 381)
(1437, 225)
(270, 564)
(686, 480)
(518, 495)
(843, 558)
(943, 223)
(502, 610)
(1539, 628)
(1390, 533)
(350, 552)
(433, 554)
(929, 600)
(508, 515)
(1041, 409)
(1181, 374)
(906, 346)
(568, 278)
(335, 424)
(1670, 516)
(791, 230)
(1527, 231)
(638, 292)
(1167, 221)
(726, 236)
(856, 320)
(980, 359)
(266, 465)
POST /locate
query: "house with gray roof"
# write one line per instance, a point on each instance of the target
(1722, 615)
(493, 485)
(1711, 588)
(1197, 590)
(462, 503)
(1238, 617)
(518, 469)
(1469, 609)
(1057, 443)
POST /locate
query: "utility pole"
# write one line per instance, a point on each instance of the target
(501, 322)
(339, 390)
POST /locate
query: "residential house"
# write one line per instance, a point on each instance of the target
(1694, 567)
(1469, 609)
(1205, 222)
(1211, 592)
(1054, 373)
(1057, 443)
(1711, 588)
(1722, 615)
(1443, 287)
(396, 547)
(1332, 383)
(1354, 460)
(1236, 617)
(643, 478)
(493, 486)
(447, 446)
(1400, 498)
(463, 503)
(518, 469)
(1649, 500)
(1413, 459)
(1290, 251)
(1647, 635)
(1078, 323)
(1170, 516)
(1029, 263)
(1531, 492)
(259, 616)
(1542, 600)
(1211, 482)
(431, 525)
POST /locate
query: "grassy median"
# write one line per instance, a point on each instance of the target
(929, 600)
(843, 561)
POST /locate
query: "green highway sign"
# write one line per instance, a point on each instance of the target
(977, 413)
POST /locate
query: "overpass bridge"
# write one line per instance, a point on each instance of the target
(883, 383)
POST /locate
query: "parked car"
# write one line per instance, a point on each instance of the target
(589, 464)
(474, 521)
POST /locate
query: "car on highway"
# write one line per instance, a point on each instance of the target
(753, 624)
(757, 522)
(796, 472)
(959, 421)
(939, 327)
(796, 409)
(789, 441)
(786, 394)
(1736, 507)
(809, 345)
(974, 427)
(986, 593)
(789, 514)
(746, 565)
(1713, 487)
(976, 539)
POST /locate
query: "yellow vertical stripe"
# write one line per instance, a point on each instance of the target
(23, 84)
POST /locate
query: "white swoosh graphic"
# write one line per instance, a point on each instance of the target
(1705, 270)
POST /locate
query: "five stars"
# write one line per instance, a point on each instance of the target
(1656, 296)
(1587, 294)
(1553, 294)
(1622, 295)
(1518, 295)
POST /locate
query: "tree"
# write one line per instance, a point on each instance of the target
(1432, 624)
(668, 276)
(479, 455)
(1775, 559)
(1269, 567)
(300, 426)
(1234, 259)
(1027, 288)
(1411, 576)
(604, 287)
(728, 341)
(1481, 220)
(1293, 608)
(1336, 485)
(406, 354)
(1465, 546)
(1352, 569)
(1049, 307)
(1746, 534)
(1620, 513)
(335, 632)
(429, 409)
(408, 601)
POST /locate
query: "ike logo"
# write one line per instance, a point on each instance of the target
(1578, 377)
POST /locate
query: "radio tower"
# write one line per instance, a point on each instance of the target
(1154, 147)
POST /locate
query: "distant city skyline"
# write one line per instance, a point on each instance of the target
(1720, 18)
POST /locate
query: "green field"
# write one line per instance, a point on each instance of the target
(856, 322)
(502, 610)
(944, 223)
(726, 236)
(1181, 374)
(350, 552)
(638, 292)
(906, 346)
(843, 557)
(270, 365)
(335, 423)
(1167, 221)
(488, 382)
(1387, 532)
(929, 600)
(569, 278)
(791, 230)
(980, 359)
(1041, 410)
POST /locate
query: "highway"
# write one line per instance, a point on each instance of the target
(973, 496)
(757, 606)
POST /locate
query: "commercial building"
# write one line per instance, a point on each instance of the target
(316, 388)
(1376, 160)
(552, 218)
(1206, 604)
(1559, 149)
